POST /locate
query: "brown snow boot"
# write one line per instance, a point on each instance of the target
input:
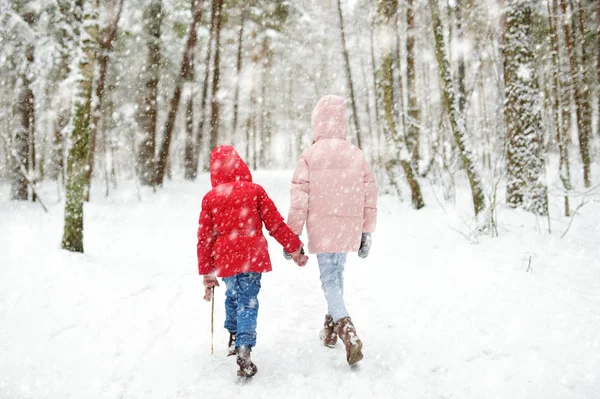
(347, 333)
(231, 344)
(247, 368)
(328, 334)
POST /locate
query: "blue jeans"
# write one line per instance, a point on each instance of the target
(241, 307)
(331, 266)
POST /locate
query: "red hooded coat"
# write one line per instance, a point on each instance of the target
(230, 238)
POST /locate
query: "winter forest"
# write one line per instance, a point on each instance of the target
(480, 119)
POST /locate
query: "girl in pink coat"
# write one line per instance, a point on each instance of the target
(335, 194)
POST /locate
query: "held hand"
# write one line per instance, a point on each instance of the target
(365, 245)
(287, 255)
(299, 258)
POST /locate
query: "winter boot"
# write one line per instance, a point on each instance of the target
(231, 345)
(328, 334)
(247, 368)
(347, 333)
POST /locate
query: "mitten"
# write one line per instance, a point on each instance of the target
(365, 245)
(299, 257)
(210, 281)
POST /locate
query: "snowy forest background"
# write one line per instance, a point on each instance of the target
(502, 92)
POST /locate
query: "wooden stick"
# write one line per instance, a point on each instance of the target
(212, 323)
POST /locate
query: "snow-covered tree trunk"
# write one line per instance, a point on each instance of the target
(462, 92)
(66, 45)
(105, 44)
(387, 12)
(349, 76)
(24, 137)
(204, 100)
(414, 113)
(557, 89)
(456, 120)
(184, 74)
(215, 104)
(374, 68)
(238, 71)
(598, 63)
(586, 81)
(78, 138)
(526, 166)
(188, 159)
(147, 116)
(582, 100)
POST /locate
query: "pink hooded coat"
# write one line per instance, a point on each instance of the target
(333, 189)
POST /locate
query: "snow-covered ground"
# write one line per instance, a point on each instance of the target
(440, 317)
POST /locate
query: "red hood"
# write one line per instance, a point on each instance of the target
(227, 166)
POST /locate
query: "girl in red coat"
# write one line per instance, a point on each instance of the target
(231, 245)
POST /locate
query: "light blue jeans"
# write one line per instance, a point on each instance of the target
(241, 307)
(331, 266)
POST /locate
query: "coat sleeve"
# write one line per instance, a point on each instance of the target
(206, 239)
(371, 193)
(274, 223)
(299, 192)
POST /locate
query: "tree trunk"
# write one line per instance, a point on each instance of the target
(265, 107)
(456, 122)
(583, 128)
(561, 129)
(184, 74)
(107, 37)
(21, 145)
(462, 97)
(377, 131)
(66, 41)
(189, 138)
(203, 100)
(414, 114)
(598, 62)
(522, 113)
(388, 15)
(147, 117)
(586, 82)
(24, 139)
(72, 239)
(214, 113)
(349, 76)
(238, 71)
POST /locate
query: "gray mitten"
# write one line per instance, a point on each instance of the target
(365, 245)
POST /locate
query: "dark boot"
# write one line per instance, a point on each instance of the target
(328, 334)
(347, 333)
(231, 344)
(247, 368)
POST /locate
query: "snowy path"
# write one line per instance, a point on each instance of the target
(439, 317)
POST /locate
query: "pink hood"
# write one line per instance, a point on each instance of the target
(329, 118)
